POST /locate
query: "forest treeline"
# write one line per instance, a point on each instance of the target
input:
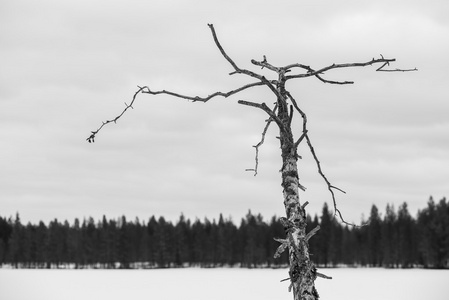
(394, 239)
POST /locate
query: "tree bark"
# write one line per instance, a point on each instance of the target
(302, 271)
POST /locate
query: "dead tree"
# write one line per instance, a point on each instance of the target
(302, 272)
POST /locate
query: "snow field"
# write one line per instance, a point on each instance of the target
(219, 284)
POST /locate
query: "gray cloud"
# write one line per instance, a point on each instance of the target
(68, 66)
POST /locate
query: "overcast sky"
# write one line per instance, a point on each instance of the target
(66, 66)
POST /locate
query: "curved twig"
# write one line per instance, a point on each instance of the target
(91, 138)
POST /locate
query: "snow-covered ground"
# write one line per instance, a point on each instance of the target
(211, 284)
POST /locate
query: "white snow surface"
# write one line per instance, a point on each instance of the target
(199, 284)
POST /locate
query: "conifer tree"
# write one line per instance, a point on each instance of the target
(373, 238)
(5, 235)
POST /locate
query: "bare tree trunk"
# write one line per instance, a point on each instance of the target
(302, 271)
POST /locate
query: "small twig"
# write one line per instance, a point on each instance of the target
(303, 135)
(265, 64)
(284, 245)
(387, 63)
(312, 233)
(91, 138)
(264, 132)
(322, 275)
(334, 187)
(265, 108)
(333, 81)
(291, 115)
(303, 116)
(257, 147)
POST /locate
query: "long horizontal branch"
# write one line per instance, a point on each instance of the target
(147, 90)
(318, 73)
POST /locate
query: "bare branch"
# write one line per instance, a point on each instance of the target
(303, 135)
(91, 138)
(301, 66)
(312, 150)
(203, 99)
(239, 70)
(317, 73)
(261, 143)
(322, 275)
(265, 108)
(333, 81)
(381, 69)
(146, 90)
(226, 56)
(312, 232)
(291, 116)
(330, 187)
(278, 89)
(265, 64)
(303, 116)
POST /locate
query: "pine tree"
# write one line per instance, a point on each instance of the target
(5, 235)
(389, 238)
(181, 240)
(433, 224)
(374, 232)
(406, 233)
(324, 237)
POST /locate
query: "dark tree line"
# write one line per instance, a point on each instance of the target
(394, 239)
